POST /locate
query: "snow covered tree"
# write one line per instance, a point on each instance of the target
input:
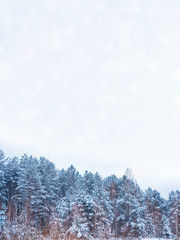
(37, 201)
(149, 222)
(3, 221)
(2, 196)
(131, 211)
(55, 227)
(174, 213)
(11, 181)
(30, 192)
(48, 177)
(111, 187)
(61, 182)
(79, 228)
(103, 211)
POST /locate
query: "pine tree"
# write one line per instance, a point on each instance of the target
(111, 187)
(11, 180)
(131, 211)
(48, 181)
(79, 228)
(2, 196)
(149, 222)
(174, 213)
(30, 192)
(37, 201)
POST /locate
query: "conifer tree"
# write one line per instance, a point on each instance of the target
(2, 196)
(174, 213)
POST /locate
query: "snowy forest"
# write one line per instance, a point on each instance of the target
(38, 201)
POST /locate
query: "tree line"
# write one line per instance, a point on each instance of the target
(38, 201)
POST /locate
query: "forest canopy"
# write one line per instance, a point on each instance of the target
(37, 200)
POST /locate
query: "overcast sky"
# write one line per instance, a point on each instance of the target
(93, 83)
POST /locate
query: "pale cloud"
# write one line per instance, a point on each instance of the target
(50, 6)
(94, 84)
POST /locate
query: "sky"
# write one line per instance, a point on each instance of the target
(93, 83)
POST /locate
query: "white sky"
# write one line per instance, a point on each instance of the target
(93, 83)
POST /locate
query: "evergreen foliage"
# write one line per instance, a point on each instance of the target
(37, 201)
